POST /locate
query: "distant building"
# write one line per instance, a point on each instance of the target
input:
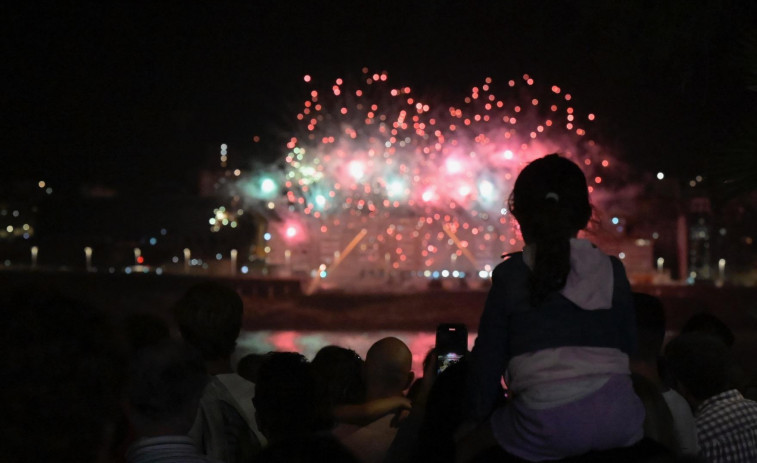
(700, 230)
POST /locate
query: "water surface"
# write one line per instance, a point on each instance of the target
(309, 342)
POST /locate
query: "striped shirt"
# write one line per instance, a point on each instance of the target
(727, 428)
(165, 449)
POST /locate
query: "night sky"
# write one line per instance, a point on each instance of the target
(136, 95)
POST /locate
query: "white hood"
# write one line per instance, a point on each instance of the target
(590, 281)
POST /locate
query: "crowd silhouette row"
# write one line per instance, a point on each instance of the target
(569, 365)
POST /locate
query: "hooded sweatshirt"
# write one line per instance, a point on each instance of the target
(560, 351)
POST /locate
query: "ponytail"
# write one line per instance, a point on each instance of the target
(551, 242)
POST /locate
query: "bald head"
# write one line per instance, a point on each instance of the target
(387, 368)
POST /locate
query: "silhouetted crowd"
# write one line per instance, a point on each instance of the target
(569, 365)
(77, 389)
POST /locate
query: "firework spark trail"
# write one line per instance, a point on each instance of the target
(419, 170)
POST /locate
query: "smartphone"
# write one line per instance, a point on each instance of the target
(451, 344)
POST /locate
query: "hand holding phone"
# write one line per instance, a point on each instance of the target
(451, 344)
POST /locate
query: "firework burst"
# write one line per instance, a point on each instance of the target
(410, 185)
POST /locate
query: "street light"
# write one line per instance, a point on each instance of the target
(35, 251)
(88, 258)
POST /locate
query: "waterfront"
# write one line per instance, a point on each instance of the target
(279, 316)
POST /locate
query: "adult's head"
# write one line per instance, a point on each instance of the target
(707, 323)
(61, 373)
(339, 375)
(700, 364)
(550, 200)
(249, 365)
(285, 397)
(209, 316)
(165, 387)
(387, 371)
(650, 327)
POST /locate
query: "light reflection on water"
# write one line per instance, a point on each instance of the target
(309, 342)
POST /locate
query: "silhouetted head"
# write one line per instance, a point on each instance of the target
(550, 200)
(285, 400)
(249, 365)
(700, 363)
(166, 383)
(209, 316)
(339, 375)
(707, 323)
(387, 370)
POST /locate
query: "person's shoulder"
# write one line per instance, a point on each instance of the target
(510, 262)
(234, 382)
(617, 265)
(512, 256)
(215, 390)
(751, 405)
(672, 396)
(618, 270)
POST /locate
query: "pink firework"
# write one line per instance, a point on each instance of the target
(421, 185)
